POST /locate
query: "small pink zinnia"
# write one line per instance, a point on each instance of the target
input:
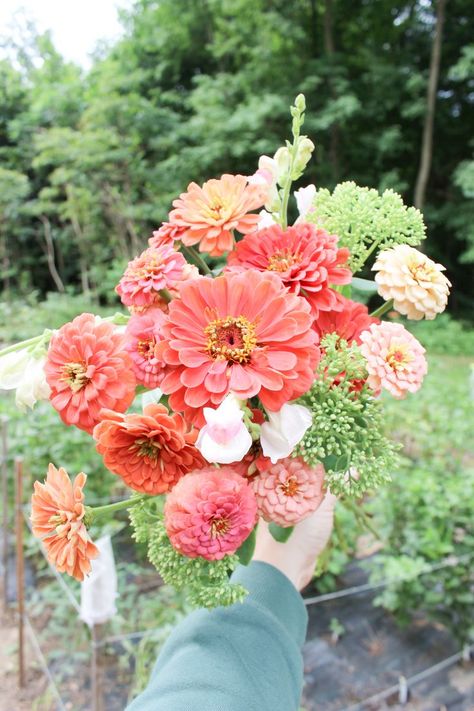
(153, 270)
(210, 513)
(288, 491)
(142, 334)
(306, 259)
(209, 215)
(395, 359)
(87, 368)
(167, 234)
(241, 332)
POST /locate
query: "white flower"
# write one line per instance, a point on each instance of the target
(33, 386)
(284, 429)
(12, 368)
(224, 438)
(266, 220)
(266, 175)
(282, 159)
(304, 200)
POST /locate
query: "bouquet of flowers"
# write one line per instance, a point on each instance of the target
(240, 384)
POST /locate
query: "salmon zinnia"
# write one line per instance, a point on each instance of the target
(239, 332)
(87, 369)
(57, 517)
(151, 452)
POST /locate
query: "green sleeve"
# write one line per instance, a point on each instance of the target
(246, 657)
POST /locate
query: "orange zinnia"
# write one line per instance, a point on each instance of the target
(151, 452)
(207, 216)
(57, 517)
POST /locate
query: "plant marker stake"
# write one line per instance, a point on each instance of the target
(4, 456)
(95, 677)
(20, 568)
(403, 691)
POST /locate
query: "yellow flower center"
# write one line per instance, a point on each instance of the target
(290, 487)
(398, 357)
(422, 271)
(75, 376)
(232, 339)
(147, 448)
(282, 261)
(219, 527)
(146, 348)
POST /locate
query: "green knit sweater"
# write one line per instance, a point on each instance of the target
(246, 657)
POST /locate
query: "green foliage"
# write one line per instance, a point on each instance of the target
(348, 428)
(444, 335)
(206, 583)
(366, 221)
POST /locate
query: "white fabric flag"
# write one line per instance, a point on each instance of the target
(99, 588)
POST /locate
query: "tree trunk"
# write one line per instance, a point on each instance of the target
(427, 139)
(50, 256)
(330, 49)
(81, 243)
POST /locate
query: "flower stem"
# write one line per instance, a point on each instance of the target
(117, 506)
(196, 259)
(382, 309)
(165, 295)
(21, 345)
(286, 190)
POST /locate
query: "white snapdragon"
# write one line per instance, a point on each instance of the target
(21, 371)
(304, 200)
(267, 175)
(224, 438)
(284, 429)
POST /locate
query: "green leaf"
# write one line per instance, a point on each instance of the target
(366, 286)
(245, 552)
(279, 533)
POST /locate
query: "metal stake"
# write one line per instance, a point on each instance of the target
(4, 457)
(20, 568)
(95, 673)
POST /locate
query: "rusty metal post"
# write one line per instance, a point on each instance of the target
(4, 457)
(20, 568)
(96, 687)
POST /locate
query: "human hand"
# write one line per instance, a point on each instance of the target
(296, 558)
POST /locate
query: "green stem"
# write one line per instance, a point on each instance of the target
(196, 259)
(21, 345)
(165, 295)
(382, 309)
(117, 506)
(286, 189)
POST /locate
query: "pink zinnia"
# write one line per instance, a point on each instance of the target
(142, 334)
(288, 491)
(348, 323)
(87, 368)
(210, 513)
(153, 270)
(167, 234)
(209, 215)
(306, 259)
(395, 359)
(239, 332)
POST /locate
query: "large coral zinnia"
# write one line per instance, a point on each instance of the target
(348, 323)
(289, 491)
(306, 259)
(210, 513)
(57, 517)
(146, 275)
(210, 214)
(416, 284)
(395, 359)
(150, 451)
(241, 332)
(87, 368)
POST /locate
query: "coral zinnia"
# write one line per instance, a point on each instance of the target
(289, 491)
(210, 513)
(143, 334)
(347, 323)
(87, 369)
(211, 213)
(395, 359)
(153, 270)
(242, 332)
(149, 451)
(57, 517)
(306, 259)
(416, 284)
(167, 234)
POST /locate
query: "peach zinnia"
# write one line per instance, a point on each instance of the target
(87, 369)
(288, 491)
(57, 517)
(149, 451)
(306, 259)
(143, 333)
(210, 513)
(395, 359)
(209, 215)
(146, 275)
(241, 332)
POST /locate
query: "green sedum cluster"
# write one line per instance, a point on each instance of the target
(348, 424)
(205, 583)
(366, 221)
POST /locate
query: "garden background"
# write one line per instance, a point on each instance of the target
(90, 163)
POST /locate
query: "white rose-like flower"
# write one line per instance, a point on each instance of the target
(304, 200)
(416, 284)
(284, 429)
(33, 385)
(224, 438)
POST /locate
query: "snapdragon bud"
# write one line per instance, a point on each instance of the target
(303, 155)
(282, 159)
